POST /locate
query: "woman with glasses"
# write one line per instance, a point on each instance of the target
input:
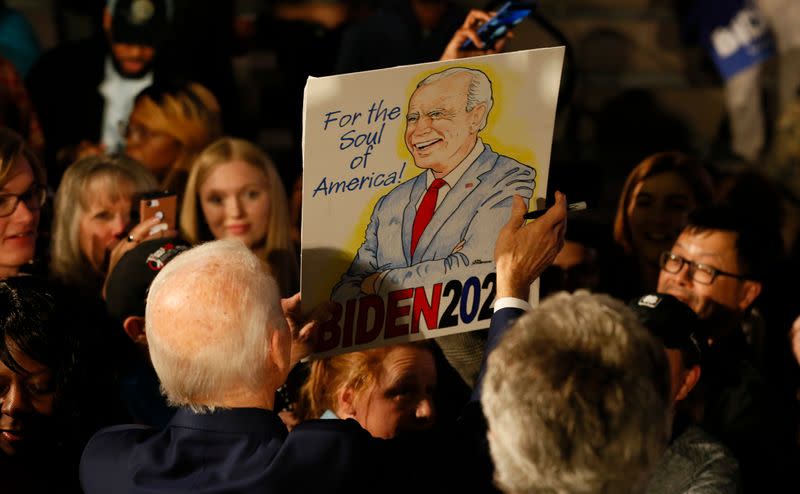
(654, 206)
(22, 194)
(169, 125)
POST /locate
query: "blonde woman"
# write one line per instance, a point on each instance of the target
(234, 191)
(92, 217)
(169, 125)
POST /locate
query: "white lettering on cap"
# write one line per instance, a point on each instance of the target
(141, 11)
(650, 301)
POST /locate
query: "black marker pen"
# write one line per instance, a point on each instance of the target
(575, 206)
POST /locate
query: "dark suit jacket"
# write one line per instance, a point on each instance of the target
(250, 451)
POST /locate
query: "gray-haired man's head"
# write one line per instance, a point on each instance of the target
(445, 114)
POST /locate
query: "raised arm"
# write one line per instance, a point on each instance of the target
(521, 254)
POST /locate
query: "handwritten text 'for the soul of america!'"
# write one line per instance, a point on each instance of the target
(360, 134)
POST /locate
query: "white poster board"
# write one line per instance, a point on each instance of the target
(408, 176)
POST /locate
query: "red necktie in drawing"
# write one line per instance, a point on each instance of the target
(425, 212)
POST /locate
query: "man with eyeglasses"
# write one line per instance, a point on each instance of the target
(718, 266)
(706, 271)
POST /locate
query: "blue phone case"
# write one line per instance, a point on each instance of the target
(509, 15)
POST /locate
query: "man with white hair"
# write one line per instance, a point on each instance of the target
(220, 344)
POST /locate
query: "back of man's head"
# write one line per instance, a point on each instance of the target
(577, 398)
(210, 318)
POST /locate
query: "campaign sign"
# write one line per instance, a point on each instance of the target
(741, 42)
(408, 176)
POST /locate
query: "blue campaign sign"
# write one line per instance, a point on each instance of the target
(740, 42)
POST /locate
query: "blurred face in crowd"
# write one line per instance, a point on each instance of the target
(795, 339)
(130, 59)
(18, 228)
(155, 150)
(725, 294)
(440, 132)
(402, 398)
(235, 202)
(105, 220)
(658, 210)
(26, 402)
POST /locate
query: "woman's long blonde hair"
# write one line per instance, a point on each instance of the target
(279, 248)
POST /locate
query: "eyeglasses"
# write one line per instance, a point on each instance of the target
(33, 198)
(701, 273)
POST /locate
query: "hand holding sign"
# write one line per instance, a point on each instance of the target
(302, 328)
(409, 177)
(524, 251)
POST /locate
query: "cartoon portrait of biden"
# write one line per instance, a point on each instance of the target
(447, 218)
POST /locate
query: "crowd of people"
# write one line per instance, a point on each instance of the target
(663, 360)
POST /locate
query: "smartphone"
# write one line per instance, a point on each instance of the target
(509, 15)
(164, 202)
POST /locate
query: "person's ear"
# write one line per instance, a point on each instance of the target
(134, 328)
(476, 117)
(346, 404)
(107, 21)
(280, 352)
(690, 378)
(749, 293)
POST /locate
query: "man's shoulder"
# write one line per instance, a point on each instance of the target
(73, 61)
(695, 461)
(401, 192)
(702, 449)
(80, 53)
(504, 165)
(115, 438)
(319, 432)
(104, 459)
(343, 456)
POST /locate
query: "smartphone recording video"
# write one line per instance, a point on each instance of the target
(509, 15)
(165, 203)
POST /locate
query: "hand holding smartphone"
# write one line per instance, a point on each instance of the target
(508, 16)
(163, 203)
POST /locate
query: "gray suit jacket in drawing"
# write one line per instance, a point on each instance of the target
(473, 211)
